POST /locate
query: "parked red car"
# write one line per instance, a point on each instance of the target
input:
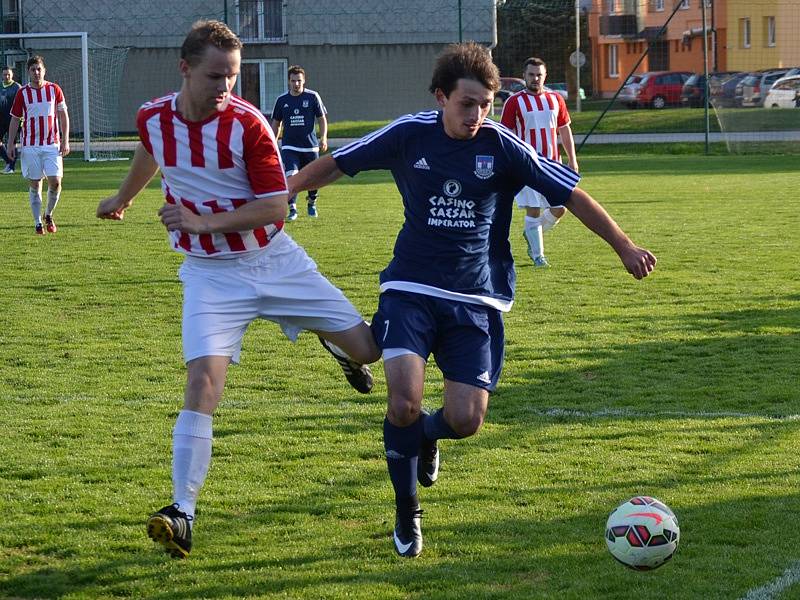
(657, 89)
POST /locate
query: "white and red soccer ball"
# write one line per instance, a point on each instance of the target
(642, 533)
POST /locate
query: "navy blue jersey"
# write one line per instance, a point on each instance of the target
(298, 115)
(7, 94)
(458, 199)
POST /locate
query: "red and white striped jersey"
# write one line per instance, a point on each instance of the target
(535, 118)
(37, 108)
(212, 166)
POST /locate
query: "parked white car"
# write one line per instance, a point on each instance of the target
(784, 93)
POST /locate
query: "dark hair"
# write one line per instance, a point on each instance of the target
(8, 68)
(536, 62)
(208, 33)
(467, 60)
(296, 70)
(35, 59)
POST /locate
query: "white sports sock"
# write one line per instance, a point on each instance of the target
(52, 200)
(533, 233)
(191, 457)
(36, 205)
(549, 220)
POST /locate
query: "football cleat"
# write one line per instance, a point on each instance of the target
(292, 214)
(50, 224)
(9, 170)
(541, 261)
(170, 527)
(428, 463)
(312, 210)
(407, 534)
(39, 229)
(358, 376)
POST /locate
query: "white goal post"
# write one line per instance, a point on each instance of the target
(84, 38)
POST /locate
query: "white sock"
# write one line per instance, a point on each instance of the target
(533, 233)
(191, 457)
(52, 200)
(36, 205)
(549, 220)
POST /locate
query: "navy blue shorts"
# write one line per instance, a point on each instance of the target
(466, 340)
(293, 161)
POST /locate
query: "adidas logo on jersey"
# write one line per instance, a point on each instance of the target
(484, 377)
(422, 164)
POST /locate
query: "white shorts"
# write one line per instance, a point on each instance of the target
(280, 283)
(41, 161)
(530, 197)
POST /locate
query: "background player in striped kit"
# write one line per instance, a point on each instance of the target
(295, 114)
(8, 92)
(538, 116)
(452, 273)
(44, 140)
(226, 195)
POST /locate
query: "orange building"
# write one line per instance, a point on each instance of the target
(621, 30)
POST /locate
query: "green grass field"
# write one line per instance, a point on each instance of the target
(683, 386)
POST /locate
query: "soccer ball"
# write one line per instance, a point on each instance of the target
(642, 533)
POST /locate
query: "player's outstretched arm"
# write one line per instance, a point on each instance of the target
(141, 172)
(638, 261)
(314, 176)
(255, 213)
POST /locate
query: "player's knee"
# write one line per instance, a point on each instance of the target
(467, 425)
(403, 411)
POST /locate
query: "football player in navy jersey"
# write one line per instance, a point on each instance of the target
(452, 274)
(296, 113)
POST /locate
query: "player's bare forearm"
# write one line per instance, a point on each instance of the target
(314, 176)
(63, 123)
(11, 146)
(251, 215)
(143, 167)
(323, 134)
(639, 262)
(568, 142)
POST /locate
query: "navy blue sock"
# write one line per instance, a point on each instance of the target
(312, 197)
(436, 428)
(402, 452)
(3, 154)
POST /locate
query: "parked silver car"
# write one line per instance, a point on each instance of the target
(627, 94)
(754, 87)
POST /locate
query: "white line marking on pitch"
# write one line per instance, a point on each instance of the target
(621, 412)
(777, 586)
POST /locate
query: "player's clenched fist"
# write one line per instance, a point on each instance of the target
(177, 217)
(112, 208)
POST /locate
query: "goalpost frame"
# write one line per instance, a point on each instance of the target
(84, 36)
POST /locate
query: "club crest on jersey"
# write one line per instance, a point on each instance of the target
(452, 188)
(305, 103)
(484, 166)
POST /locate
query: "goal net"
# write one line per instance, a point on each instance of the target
(757, 103)
(90, 76)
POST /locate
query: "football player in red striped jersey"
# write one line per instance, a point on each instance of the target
(539, 117)
(226, 194)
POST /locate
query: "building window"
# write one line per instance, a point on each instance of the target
(769, 31)
(613, 66)
(744, 32)
(659, 5)
(611, 6)
(260, 20)
(684, 4)
(262, 81)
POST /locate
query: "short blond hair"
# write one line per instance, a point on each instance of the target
(208, 33)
